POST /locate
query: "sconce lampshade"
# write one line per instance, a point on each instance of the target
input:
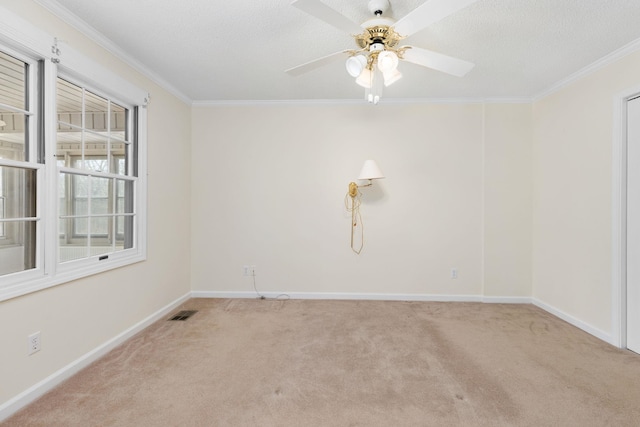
(2, 123)
(370, 170)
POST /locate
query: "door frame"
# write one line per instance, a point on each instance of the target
(619, 217)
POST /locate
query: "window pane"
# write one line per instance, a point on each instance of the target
(12, 135)
(17, 204)
(13, 78)
(124, 194)
(69, 136)
(18, 192)
(118, 165)
(20, 254)
(95, 158)
(124, 232)
(99, 188)
(96, 109)
(101, 204)
(70, 249)
(80, 227)
(119, 150)
(79, 195)
(63, 191)
(99, 228)
(118, 121)
(69, 103)
(68, 143)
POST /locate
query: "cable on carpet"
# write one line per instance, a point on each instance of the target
(280, 297)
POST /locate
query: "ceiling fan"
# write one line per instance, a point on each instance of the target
(376, 60)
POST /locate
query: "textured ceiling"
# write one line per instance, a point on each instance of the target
(214, 50)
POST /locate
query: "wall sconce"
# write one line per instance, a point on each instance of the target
(370, 171)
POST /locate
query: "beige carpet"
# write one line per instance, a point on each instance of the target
(351, 363)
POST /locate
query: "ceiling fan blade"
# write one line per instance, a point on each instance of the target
(428, 13)
(316, 63)
(437, 61)
(323, 12)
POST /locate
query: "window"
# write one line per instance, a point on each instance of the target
(94, 153)
(18, 136)
(72, 164)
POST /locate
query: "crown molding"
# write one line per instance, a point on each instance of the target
(609, 59)
(359, 102)
(276, 103)
(67, 16)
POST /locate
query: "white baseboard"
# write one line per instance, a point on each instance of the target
(13, 405)
(608, 338)
(507, 300)
(364, 297)
(339, 296)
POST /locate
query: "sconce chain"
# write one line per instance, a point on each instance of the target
(356, 218)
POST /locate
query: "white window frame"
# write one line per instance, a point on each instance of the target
(19, 36)
(90, 261)
(34, 274)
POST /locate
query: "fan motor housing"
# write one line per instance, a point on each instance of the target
(378, 34)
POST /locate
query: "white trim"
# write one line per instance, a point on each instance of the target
(28, 396)
(142, 202)
(606, 60)
(19, 33)
(51, 200)
(483, 205)
(383, 101)
(339, 296)
(608, 338)
(618, 217)
(509, 100)
(618, 196)
(363, 297)
(507, 300)
(67, 16)
(90, 72)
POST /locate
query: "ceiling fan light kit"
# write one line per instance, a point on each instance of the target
(387, 61)
(355, 64)
(391, 77)
(378, 56)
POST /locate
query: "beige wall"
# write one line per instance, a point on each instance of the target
(77, 317)
(507, 203)
(272, 181)
(572, 164)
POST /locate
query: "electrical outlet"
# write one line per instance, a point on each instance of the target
(246, 271)
(454, 273)
(33, 343)
(253, 270)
